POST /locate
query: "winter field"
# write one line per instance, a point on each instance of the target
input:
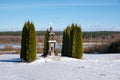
(91, 67)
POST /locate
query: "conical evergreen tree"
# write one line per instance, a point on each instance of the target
(28, 44)
(68, 41)
(71, 39)
(72, 42)
(77, 43)
(46, 44)
(64, 43)
(66, 38)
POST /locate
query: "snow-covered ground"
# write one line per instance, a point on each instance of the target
(91, 67)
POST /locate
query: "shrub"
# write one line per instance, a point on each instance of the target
(77, 51)
(46, 44)
(28, 44)
(72, 42)
(97, 48)
(8, 48)
(114, 47)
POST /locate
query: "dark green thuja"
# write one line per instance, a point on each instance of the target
(66, 38)
(28, 43)
(63, 45)
(46, 44)
(72, 42)
(77, 51)
(68, 41)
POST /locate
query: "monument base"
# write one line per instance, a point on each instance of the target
(52, 54)
(53, 57)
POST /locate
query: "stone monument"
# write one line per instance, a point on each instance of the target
(52, 43)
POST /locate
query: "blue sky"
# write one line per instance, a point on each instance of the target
(92, 15)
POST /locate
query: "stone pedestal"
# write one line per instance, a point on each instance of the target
(52, 47)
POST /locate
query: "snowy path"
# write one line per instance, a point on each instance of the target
(92, 67)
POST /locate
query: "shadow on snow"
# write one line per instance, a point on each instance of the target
(11, 60)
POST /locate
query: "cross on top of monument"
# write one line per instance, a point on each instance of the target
(50, 28)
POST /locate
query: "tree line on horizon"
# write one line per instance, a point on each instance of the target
(88, 34)
(96, 36)
(87, 37)
(19, 33)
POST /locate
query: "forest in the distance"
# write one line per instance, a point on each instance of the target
(88, 36)
(105, 38)
(85, 33)
(18, 33)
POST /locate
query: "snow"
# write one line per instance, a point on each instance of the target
(91, 67)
